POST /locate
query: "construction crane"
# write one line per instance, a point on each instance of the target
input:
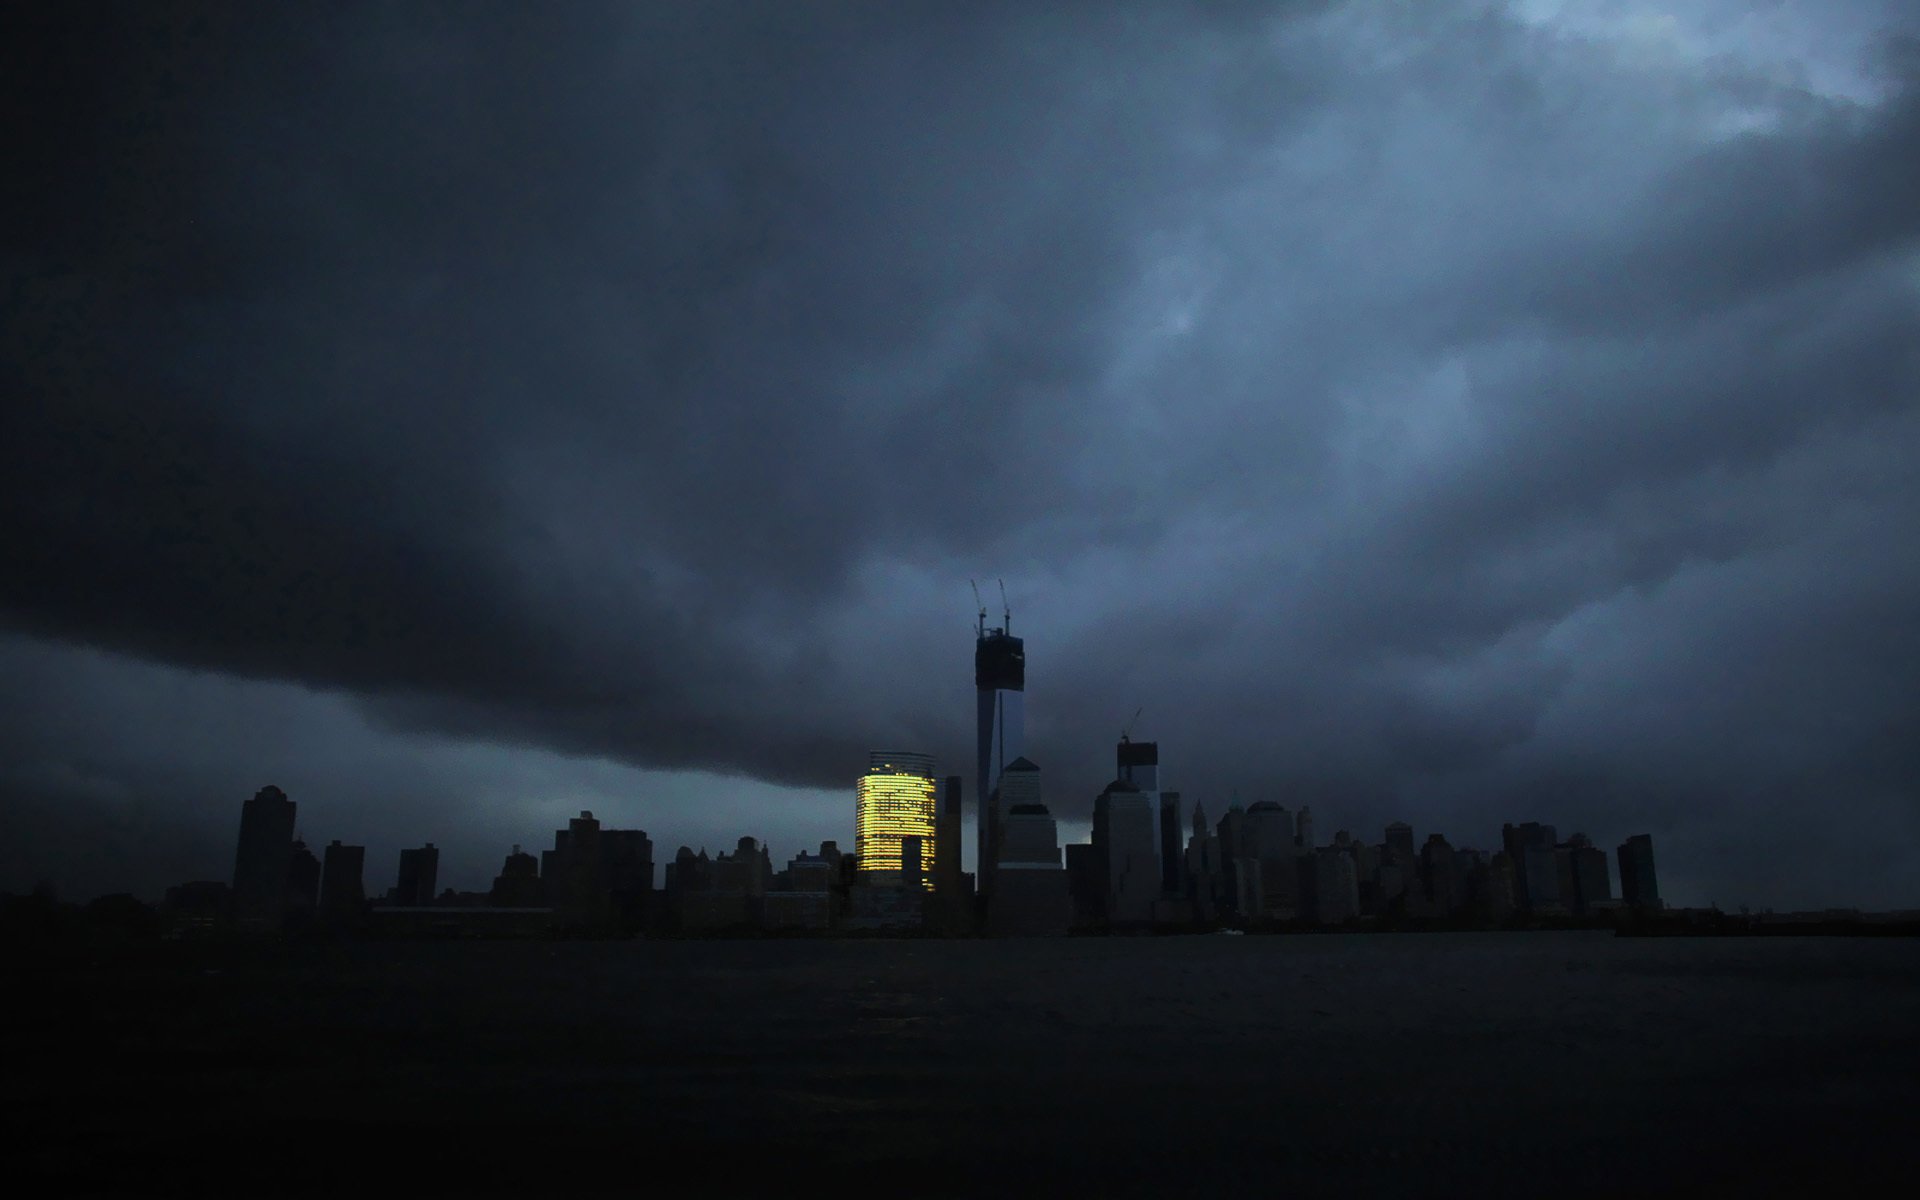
(982, 605)
(1126, 734)
(1005, 610)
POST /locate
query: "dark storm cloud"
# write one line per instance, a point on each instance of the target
(1366, 391)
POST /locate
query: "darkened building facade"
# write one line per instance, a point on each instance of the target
(1536, 869)
(303, 883)
(598, 879)
(265, 855)
(518, 883)
(343, 893)
(1637, 884)
(419, 871)
(1000, 679)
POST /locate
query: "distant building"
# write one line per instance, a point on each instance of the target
(1303, 828)
(1269, 841)
(343, 893)
(1031, 897)
(518, 884)
(896, 799)
(1205, 880)
(598, 879)
(1440, 876)
(802, 897)
(1592, 884)
(262, 861)
(1138, 763)
(419, 872)
(952, 908)
(1086, 885)
(1125, 839)
(1173, 874)
(1638, 887)
(1000, 682)
(303, 883)
(1399, 843)
(1335, 886)
(1536, 871)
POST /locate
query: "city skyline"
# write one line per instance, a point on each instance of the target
(1454, 413)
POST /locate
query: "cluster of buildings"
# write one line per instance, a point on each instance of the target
(1152, 863)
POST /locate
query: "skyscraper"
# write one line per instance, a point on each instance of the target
(1138, 763)
(1638, 886)
(1000, 677)
(264, 859)
(894, 800)
(342, 881)
(419, 870)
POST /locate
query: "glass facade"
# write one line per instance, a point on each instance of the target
(896, 799)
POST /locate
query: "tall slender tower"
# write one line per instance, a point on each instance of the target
(1000, 675)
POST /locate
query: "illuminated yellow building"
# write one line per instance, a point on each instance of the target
(895, 800)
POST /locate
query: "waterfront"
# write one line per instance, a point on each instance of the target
(1574, 1063)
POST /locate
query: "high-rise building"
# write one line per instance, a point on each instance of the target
(895, 800)
(1270, 844)
(264, 858)
(303, 882)
(1399, 843)
(518, 883)
(1034, 897)
(1125, 840)
(946, 838)
(1535, 869)
(1592, 885)
(419, 871)
(343, 881)
(1000, 679)
(1173, 874)
(1138, 763)
(1638, 887)
(595, 878)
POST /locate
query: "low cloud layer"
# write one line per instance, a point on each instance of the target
(1453, 413)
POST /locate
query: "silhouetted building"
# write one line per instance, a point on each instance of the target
(802, 897)
(1086, 885)
(518, 884)
(1440, 876)
(1032, 897)
(896, 799)
(1269, 841)
(1336, 891)
(946, 837)
(1303, 828)
(1592, 883)
(598, 880)
(343, 893)
(262, 861)
(1399, 842)
(1536, 870)
(419, 872)
(1000, 680)
(1638, 887)
(1126, 843)
(1501, 898)
(1173, 875)
(1205, 880)
(303, 883)
(1138, 763)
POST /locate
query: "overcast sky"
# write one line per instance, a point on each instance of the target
(462, 415)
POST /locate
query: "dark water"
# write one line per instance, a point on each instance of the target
(1547, 1064)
